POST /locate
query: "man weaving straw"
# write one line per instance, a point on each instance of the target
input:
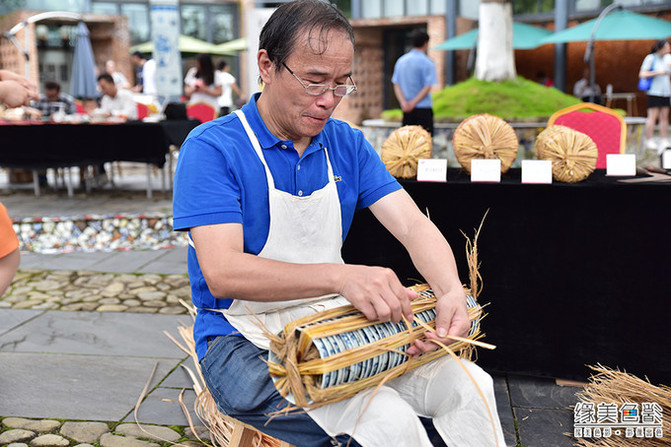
(268, 195)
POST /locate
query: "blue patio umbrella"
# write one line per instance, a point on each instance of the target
(84, 83)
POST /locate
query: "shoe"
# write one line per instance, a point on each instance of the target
(650, 144)
(664, 144)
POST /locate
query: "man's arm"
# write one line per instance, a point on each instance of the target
(231, 273)
(432, 256)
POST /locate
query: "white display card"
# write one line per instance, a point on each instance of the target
(431, 170)
(485, 170)
(621, 164)
(536, 171)
(666, 159)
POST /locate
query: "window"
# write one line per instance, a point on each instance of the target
(418, 7)
(53, 5)
(439, 7)
(193, 21)
(104, 8)
(533, 6)
(138, 21)
(223, 23)
(394, 8)
(469, 9)
(371, 9)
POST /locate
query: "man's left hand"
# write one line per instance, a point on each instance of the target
(452, 319)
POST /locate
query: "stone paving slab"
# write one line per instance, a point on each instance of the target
(97, 333)
(12, 318)
(162, 407)
(541, 393)
(179, 378)
(504, 410)
(543, 427)
(71, 386)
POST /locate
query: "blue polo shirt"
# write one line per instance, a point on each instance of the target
(220, 179)
(414, 71)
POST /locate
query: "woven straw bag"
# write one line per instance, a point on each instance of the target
(403, 148)
(573, 154)
(485, 136)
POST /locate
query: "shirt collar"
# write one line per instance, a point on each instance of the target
(266, 139)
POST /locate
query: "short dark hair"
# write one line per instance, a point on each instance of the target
(658, 45)
(138, 54)
(107, 77)
(222, 64)
(279, 34)
(419, 38)
(52, 85)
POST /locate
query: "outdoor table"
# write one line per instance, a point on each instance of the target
(575, 273)
(44, 145)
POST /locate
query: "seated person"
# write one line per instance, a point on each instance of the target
(9, 250)
(586, 92)
(116, 101)
(52, 101)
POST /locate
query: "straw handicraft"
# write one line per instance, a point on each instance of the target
(403, 148)
(573, 154)
(485, 136)
(612, 386)
(333, 355)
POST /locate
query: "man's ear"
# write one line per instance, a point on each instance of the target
(266, 66)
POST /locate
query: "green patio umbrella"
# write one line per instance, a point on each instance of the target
(186, 44)
(233, 45)
(525, 37)
(617, 25)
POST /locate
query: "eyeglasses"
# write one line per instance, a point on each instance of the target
(320, 89)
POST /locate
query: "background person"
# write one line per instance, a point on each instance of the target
(657, 65)
(414, 75)
(145, 74)
(116, 101)
(228, 86)
(53, 100)
(119, 79)
(203, 83)
(267, 194)
(583, 90)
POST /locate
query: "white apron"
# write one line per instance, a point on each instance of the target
(303, 230)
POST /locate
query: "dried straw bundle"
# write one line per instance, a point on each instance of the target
(403, 148)
(224, 430)
(573, 154)
(333, 355)
(485, 136)
(613, 386)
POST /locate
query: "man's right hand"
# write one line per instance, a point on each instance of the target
(14, 94)
(376, 292)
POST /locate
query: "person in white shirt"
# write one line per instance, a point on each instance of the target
(145, 74)
(116, 101)
(119, 79)
(586, 92)
(228, 86)
(203, 83)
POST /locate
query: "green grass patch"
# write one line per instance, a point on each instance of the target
(518, 100)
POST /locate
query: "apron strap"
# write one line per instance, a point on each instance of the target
(256, 145)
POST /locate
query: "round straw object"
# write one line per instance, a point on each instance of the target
(403, 148)
(573, 154)
(485, 136)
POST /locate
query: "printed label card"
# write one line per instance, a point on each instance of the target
(431, 170)
(485, 170)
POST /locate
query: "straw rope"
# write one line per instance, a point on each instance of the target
(485, 136)
(403, 148)
(573, 154)
(614, 386)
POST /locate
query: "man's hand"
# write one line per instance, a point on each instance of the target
(377, 292)
(407, 106)
(14, 94)
(452, 319)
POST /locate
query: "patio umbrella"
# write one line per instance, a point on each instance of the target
(618, 25)
(233, 45)
(525, 37)
(186, 44)
(84, 83)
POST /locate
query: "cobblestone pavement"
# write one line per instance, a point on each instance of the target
(95, 291)
(21, 432)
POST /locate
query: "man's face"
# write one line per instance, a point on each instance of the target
(296, 113)
(51, 94)
(107, 88)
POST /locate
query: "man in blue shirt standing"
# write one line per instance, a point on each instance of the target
(267, 195)
(414, 75)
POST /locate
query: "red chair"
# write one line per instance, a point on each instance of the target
(80, 108)
(142, 111)
(201, 111)
(604, 126)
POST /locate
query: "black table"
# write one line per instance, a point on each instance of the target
(47, 145)
(575, 273)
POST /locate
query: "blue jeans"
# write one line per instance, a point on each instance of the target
(239, 382)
